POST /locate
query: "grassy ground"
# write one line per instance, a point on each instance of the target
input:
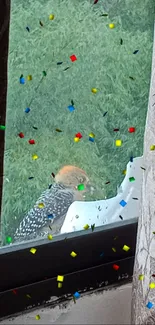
(103, 63)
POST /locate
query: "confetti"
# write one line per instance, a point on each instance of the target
(2, 127)
(131, 78)
(41, 24)
(126, 248)
(27, 28)
(72, 102)
(143, 168)
(60, 278)
(114, 249)
(121, 217)
(58, 130)
(92, 135)
(59, 285)
(74, 300)
(107, 183)
(34, 157)
(121, 41)
(76, 295)
(44, 73)
(76, 139)
(141, 277)
(152, 147)
(80, 187)
(22, 80)
(29, 77)
(50, 237)
(73, 254)
(102, 254)
(93, 227)
(111, 26)
(27, 110)
(66, 68)
(31, 177)
(53, 175)
(131, 159)
(8, 239)
(118, 143)
(104, 15)
(153, 275)
(131, 179)
(115, 267)
(135, 198)
(31, 141)
(37, 317)
(50, 216)
(86, 227)
(116, 130)
(136, 51)
(14, 291)
(73, 58)
(59, 63)
(131, 129)
(51, 17)
(94, 90)
(41, 205)
(95, 1)
(149, 305)
(33, 250)
(71, 108)
(28, 296)
(105, 114)
(21, 135)
(124, 172)
(152, 285)
(78, 135)
(123, 203)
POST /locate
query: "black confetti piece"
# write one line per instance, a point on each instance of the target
(105, 114)
(107, 183)
(135, 198)
(59, 63)
(50, 186)
(34, 127)
(135, 52)
(53, 175)
(41, 24)
(31, 177)
(116, 130)
(131, 78)
(27, 28)
(72, 102)
(66, 68)
(121, 41)
(143, 168)
(93, 227)
(121, 217)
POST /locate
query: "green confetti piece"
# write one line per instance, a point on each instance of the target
(93, 227)
(80, 187)
(131, 179)
(44, 73)
(8, 239)
(2, 127)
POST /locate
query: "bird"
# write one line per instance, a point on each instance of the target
(52, 206)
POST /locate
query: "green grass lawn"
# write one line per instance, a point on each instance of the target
(102, 62)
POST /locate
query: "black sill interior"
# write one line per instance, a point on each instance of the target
(23, 273)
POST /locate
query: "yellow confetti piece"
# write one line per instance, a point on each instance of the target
(76, 139)
(33, 250)
(124, 172)
(114, 249)
(41, 205)
(152, 147)
(37, 317)
(152, 285)
(86, 227)
(118, 143)
(111, 26)
(92, 135)
(59, 285)
(141, 277)
(34, 157)
(60, 278)
(29, 77)
(28, 296)
(50, 237)
(51, 17)
(126, 248)
(94, 90)
(73, 254)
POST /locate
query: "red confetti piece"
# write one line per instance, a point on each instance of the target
(153, 275)
(31, 142)
(95, 1)
(115, 267)
(131, 130)
(73, 58)
(116, 130)
(14, 291)
(53, 175)
(21, 135)
(78, 135)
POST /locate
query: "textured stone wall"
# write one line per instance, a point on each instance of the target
(145, 250)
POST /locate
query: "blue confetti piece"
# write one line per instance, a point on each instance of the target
(22, 81)
(50, 216)
(27, 110)
(135, 52)
(123, 203)
(149, 305)
(102, 254)
(91, 139)
(76, 295)
(71, 108)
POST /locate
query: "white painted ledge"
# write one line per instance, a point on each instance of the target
(103, 212)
